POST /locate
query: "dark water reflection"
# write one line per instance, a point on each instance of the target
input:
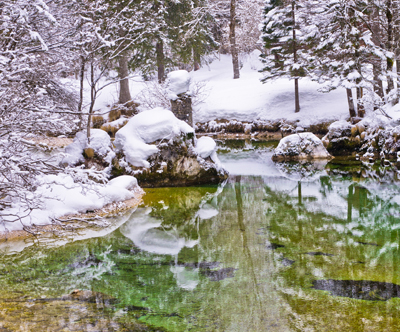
(285, 247)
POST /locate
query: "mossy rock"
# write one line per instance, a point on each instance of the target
(175, 165)
(343, 146)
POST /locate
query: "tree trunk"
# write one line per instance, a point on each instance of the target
(196, 61)
(92, 99)
(160, 61)
(360, 105)
(390, 62)
(377, 62)
(350, 100)
(296, 95)
(296, 81)
(398, 78)
(232, 39)
(123, 74)
(81, 81)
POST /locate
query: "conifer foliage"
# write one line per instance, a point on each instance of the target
(352, 44)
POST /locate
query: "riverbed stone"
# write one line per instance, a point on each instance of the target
(301, 146)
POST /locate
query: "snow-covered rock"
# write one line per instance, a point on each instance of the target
(172, 159)
(205, 147)
(148, 127)
(178, 82)
(62, 196)
(300, 146)
(127, 182)
(100, 144)
(339, 129)
(343, 138)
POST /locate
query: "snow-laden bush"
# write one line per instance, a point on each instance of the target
(158, 95)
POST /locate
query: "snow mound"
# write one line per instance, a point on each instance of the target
(100, 142)
(148, 127)
(205, 147)
(300, 146)
(62, 196)
(178, 82)
(124, 181)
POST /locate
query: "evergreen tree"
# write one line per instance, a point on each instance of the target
(280, 37)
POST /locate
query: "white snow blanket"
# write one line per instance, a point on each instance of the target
(147, 127)
(62, 196)
(301, 146)
(100, 142)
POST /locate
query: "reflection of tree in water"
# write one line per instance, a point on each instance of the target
(363, 246)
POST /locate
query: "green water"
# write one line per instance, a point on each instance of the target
(244, 256)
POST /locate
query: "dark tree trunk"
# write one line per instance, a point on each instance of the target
(296, 81)
(350, 101)
(160, 61)
(296, 95)
(360, 105)
(196, 61)
(81, 81)
(390, 62)
(398, 78)
(123, 73)
(92, 99)
(232, 39)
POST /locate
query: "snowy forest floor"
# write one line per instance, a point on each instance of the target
(247, 99)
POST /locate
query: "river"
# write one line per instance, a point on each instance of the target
(278, 247)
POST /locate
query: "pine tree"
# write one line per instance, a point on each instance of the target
(280, 37)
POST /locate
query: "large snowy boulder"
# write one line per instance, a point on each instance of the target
(148, 127)
(160, 151)
(299, 147)
(99, 151)
(343, 138)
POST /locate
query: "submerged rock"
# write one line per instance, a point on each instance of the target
(300, 146)
(89, 296)
(218, 275)
(359, 289)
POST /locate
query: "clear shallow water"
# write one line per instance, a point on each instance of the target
(284, 247)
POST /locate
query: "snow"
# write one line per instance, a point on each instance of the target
(124, 181)
(148, 127)
(100, 142)
(247, 99)
(178, 82)
(62, 196)
(303, 146)
(205, 146)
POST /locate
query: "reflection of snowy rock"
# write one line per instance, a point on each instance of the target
(186, 278)
(207, 211)
(300, 147)
(143, 231)
(302, 171)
